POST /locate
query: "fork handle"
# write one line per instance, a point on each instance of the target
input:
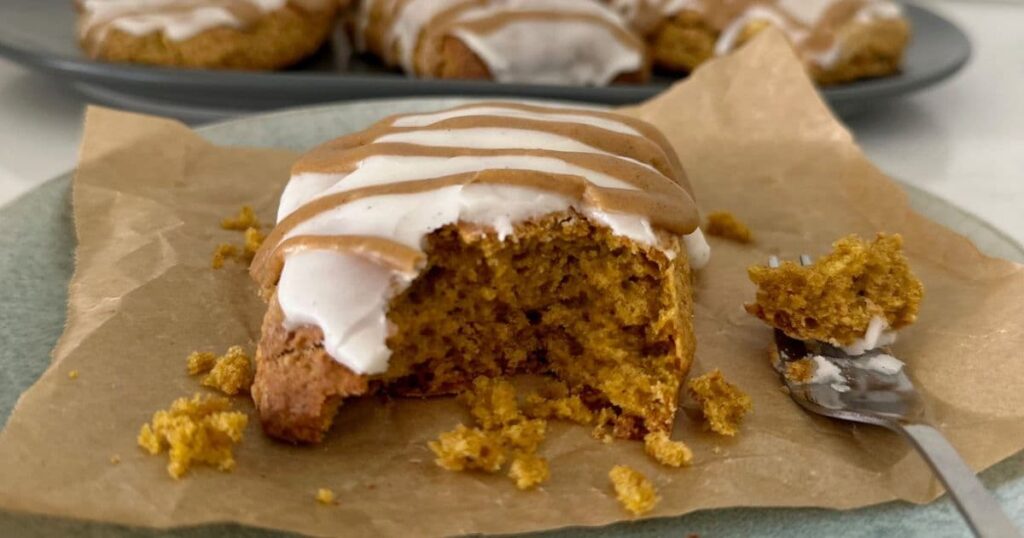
(983, 514)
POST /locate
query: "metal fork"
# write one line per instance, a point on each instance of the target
(889, 400)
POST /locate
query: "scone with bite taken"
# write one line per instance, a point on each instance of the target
(487, 240)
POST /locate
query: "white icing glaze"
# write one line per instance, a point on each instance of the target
(826, 372)
(881, 363)
(177, 19)
(424, 120)
(490, 138)
(578, 52)
(347, 296)
(877, 335)
(405, 32)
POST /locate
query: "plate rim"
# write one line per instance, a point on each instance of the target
(83, 70)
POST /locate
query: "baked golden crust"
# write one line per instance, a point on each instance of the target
(560, 297)
(276, 40)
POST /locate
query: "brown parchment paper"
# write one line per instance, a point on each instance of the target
(755, 139)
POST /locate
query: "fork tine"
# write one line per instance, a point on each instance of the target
(805, 260)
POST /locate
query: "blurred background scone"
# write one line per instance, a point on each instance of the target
(839, 40)
(232, 34)
(577, 42)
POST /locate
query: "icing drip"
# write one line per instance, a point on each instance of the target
(584, 41)
(177, 19)
(358, 208)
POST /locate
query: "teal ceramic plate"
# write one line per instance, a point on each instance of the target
(40, 35)
(36, 261)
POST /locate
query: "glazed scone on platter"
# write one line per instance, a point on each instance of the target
(575, 42)
(838, 40)
(228, 34)
(487, 240)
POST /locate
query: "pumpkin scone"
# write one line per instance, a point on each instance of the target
(209, 34)
(487, 240)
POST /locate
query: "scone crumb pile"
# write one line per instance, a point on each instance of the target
(664, 450)
(222, 253)
(723, 404)
(725, 225)
(245, 221)
(201, 429)
(503, 435)
(635, 492)
(835, 299)
(325, 496)
(230, 373)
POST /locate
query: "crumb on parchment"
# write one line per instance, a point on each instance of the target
(725, 225)
(529, 470)
(232, 372)
(468, 449)
(503, 434)
(223, 253)
(569, 408)
(491, 402)
(722, 403)
(325, 496)
(635, 492)
(245, 219)
(73, 374)
(201, 429)
(664, 450)
(253, 240)
(200, 362)
(115, 459)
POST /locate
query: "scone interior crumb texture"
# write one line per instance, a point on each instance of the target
(201, 429)
(483, 306)
(723, 404)
(725, 225)
(835, 299)
(635, 492)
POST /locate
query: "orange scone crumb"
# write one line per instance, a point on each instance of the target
(200, 362)
(800, 371)
(725, 225)
(469, 449)
(659, 446)
(524, 436)
(528, 471)
(492, 402)
(253, 240)
(73, 374)
(197, 430)
(325, 496)
(566, 408)
(245, 219)
(722, 403)
(635, 492)
(232, 372)
(222, 253)
(835, 299)
(115, 459)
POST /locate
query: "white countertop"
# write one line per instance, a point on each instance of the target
(962, 141)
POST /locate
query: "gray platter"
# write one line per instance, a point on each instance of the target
(40, 35)
(37, 259)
